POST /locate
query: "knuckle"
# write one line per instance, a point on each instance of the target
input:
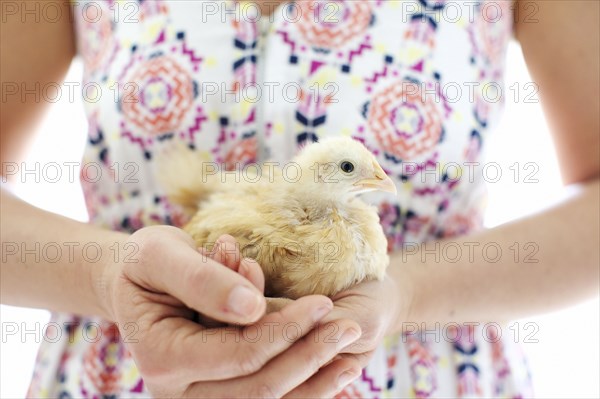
(152, 240)
(263, 390)
(315, 358)
(370, 338)
(248, 365)
(364, 358)
(251, 360)
(148, 247)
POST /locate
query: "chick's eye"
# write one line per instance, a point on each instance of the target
(347, 167)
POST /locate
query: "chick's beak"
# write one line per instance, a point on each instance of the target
(380, 181)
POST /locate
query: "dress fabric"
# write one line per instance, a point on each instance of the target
(420, 83)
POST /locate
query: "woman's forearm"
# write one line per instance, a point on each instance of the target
(52, 262)
(547, 261)
(534, 265)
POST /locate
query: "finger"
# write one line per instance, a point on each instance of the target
(250, 269)
(247, 267)
(226, 251)
(199, 282)
(315, 350)
(224, 353)
(361, 358)
(296, 365)
(329, 381)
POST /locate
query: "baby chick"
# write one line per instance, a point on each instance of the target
(303, 223)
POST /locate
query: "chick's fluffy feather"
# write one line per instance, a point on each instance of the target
(307, 237)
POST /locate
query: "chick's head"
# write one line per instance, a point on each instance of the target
(341, 168)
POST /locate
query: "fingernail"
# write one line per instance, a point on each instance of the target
(321, 311)
(349, 336)
(243, 301)
(346, 378)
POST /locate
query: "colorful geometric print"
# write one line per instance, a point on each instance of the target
(403, 123)
(97, 47)
(467, 365)
(422, 367)
(158, 93)
(331, 25)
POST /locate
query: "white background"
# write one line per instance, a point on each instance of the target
(565, 361)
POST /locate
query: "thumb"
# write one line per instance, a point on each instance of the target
(173, 266)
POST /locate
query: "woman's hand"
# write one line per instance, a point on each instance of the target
(376, 306)
(271, 356)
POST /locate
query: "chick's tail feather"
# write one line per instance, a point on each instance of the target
(186, 177)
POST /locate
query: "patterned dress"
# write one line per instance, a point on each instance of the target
(420, 83)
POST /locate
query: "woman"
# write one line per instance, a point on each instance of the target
(166, 73)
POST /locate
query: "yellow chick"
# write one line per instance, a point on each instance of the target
(303, 222)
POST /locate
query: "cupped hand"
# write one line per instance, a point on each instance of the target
(376, 306)
(273, 355)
